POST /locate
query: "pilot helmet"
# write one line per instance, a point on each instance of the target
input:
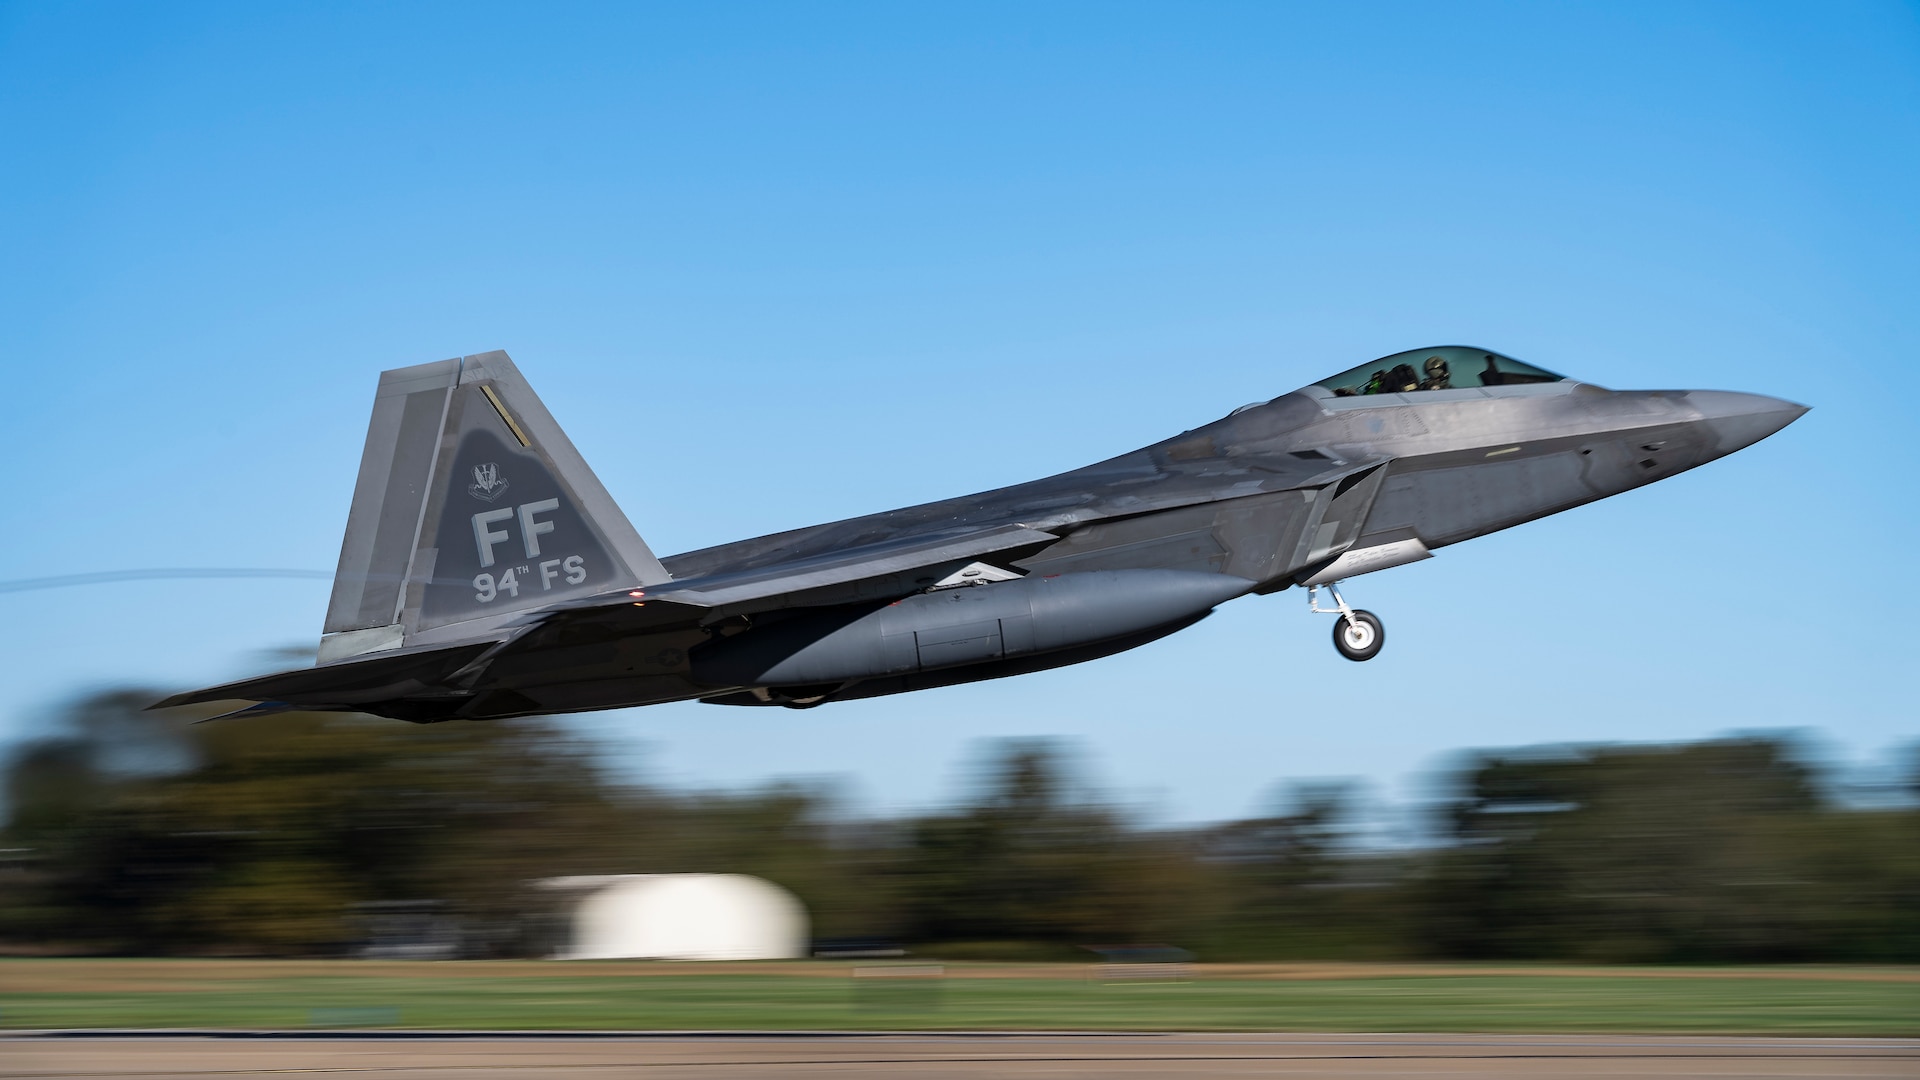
(1436, 367)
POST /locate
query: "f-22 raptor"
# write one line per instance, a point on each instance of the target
(486, 572)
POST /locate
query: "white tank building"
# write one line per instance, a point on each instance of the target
(681, 917)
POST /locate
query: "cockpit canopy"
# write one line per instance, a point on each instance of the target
(1447, 367)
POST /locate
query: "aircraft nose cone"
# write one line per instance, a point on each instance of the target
(1740, 420)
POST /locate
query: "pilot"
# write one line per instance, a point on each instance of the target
(1438, 377)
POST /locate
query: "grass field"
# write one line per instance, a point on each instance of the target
(89, 993)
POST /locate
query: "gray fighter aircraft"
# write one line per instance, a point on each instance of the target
(487, 573)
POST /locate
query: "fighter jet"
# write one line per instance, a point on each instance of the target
(486, 572)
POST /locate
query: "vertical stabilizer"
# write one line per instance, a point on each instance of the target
(471, 505)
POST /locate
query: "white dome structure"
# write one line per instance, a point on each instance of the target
(684, 917)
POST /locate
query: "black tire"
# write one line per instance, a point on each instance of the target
(1361, 639)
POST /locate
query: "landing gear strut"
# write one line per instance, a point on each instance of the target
(1357, 634)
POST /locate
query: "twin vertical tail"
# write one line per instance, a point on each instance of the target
(471, 506)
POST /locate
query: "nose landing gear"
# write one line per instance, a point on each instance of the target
(1357, 634)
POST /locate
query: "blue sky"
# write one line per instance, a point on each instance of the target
(779, 264)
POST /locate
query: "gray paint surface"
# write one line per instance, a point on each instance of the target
(1084, 563)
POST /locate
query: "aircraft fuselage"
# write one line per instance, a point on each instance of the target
(486, 572)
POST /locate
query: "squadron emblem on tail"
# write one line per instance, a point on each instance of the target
(488, 484)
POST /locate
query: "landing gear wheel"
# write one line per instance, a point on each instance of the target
(1359, 636)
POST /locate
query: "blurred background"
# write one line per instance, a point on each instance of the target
(342, 835)
(773, 265)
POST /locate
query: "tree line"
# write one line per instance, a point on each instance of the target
(131, 833)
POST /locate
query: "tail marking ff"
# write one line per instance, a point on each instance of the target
(471, 505)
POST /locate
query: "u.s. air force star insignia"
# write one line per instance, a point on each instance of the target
(488, 484)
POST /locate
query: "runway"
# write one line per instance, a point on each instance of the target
(926, 1056)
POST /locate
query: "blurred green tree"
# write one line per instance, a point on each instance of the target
(1299, 884)
(1027, 861)
(1722, 850)
(260, 836)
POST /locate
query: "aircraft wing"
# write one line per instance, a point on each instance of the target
(890, 568)
(871, 572)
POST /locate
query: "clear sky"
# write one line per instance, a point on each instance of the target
(778, 264)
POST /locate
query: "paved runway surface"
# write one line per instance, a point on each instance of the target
(925, 1056)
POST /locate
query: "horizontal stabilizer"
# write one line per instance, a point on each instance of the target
(346, 682)
(264, 708)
